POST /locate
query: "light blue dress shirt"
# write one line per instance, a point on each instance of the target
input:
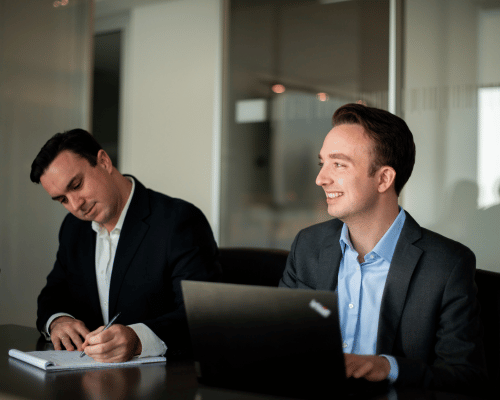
(360, 288)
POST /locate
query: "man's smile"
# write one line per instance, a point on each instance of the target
(332, 195)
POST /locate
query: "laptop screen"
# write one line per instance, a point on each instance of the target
(271, 340)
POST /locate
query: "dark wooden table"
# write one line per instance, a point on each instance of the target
(175, 380)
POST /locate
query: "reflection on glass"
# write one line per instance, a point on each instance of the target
(452, 105)
(489, 146)
(301, 60)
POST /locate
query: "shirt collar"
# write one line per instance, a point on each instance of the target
(386, 245)
(101, 229)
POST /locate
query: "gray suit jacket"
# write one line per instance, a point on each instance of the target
(429, 316)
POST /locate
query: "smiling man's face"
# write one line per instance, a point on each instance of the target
(345, 160)
(87, 192)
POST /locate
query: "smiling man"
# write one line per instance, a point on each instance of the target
(407, 298)
(122, 249)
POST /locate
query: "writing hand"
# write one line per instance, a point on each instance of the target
(372, 368)
(118, 343)
(67, 332)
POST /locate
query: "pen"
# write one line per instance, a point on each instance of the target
(106, 327)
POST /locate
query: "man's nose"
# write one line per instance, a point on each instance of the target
(75, 201)
(322, 178)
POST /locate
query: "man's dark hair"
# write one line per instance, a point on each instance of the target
(77, 141)
(392, 139)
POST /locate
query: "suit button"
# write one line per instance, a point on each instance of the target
(351, 305)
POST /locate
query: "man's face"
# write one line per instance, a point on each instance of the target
(345, 161)
(87, 192)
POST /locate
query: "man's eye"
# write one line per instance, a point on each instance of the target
(338, 165)
(320, 164)
(78, 186)
(63, 200)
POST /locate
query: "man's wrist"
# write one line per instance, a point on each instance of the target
(48, 324)
(138, 347)
(151, 345)
(394, 370)
(58, 320)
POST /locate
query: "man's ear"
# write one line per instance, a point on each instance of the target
(104, 160)
(386, 178)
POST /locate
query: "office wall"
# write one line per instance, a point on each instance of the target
(45, 63)
(171, 100)
(169, 127)
(450, 55)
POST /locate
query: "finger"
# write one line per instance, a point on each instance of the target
(109, 351)
(363, 369)
(77, 340)
(93, 351)
(115, 355)
(102, 352)
(350, 364)
(95, 332)
(56, 342)
(380, 370)
(103, 337)
(66, 341)
(81, 330)
(92, 335)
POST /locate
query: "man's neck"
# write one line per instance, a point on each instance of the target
(366, 232)
(125, 188)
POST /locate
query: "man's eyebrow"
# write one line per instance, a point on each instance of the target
(340, 156)
(68, 187)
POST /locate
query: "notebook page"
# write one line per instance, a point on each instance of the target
(39, 362)
(61, 359)
(52, 360)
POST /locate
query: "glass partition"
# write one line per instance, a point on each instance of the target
(290, 65)
(451, 102)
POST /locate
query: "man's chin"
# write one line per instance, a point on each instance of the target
(92, 217)
(334, 212)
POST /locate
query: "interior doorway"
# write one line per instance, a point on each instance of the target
(106, 98)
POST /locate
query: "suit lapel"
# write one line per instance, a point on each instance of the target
(404, 261)
(329, 259)
(133, 231)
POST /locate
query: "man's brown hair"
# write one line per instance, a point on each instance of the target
(393, 143)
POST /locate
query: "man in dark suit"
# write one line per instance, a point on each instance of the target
(407, 298)
(123, 248)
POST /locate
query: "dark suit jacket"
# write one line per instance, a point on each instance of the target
(163, 241)
(429, 316)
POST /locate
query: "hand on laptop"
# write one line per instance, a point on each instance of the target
(372, 368)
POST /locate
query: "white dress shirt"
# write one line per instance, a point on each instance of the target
(106, 244)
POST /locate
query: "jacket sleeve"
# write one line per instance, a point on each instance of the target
(190, 254)
(56, 296)
(459, 363)
(289, 278)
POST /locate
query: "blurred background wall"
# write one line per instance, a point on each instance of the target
(168, 114)
(225, 103)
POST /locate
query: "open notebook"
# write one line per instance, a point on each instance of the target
(61, 360)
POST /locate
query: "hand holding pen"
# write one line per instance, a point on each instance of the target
(106, 327)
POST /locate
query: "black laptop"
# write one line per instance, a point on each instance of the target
(278, 341)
